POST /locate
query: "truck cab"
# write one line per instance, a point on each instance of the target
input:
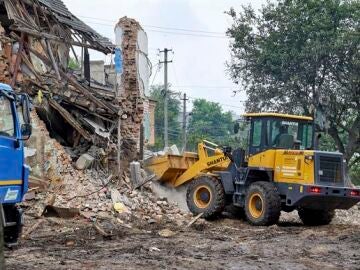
(15, 128)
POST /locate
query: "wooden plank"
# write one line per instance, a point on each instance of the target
(32, 228)
(72, 81)
(55, 66)
(101, 231)
(194, 220)
(35, 182)
(70, 119)
(51, 37)
(30, 66)
(87, 93)
(18, 60)
(35, 7)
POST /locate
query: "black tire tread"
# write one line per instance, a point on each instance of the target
(217, 206)
(273, 204)
(312, 217)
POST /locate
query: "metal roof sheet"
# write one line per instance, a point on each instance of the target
(57, 6)
(66, 17)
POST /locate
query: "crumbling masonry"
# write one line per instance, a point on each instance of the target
(131, 90)
(37, 39)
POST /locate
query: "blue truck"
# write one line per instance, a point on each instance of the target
(15, 128)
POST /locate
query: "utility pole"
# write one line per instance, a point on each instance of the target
(166, 101)
(184, 99)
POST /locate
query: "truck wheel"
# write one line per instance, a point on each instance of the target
(12, 233)
(262, 204)
(313, 217)
(206, 195)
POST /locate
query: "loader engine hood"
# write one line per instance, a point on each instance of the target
(329, 168)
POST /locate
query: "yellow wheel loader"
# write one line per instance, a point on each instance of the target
(278, 170)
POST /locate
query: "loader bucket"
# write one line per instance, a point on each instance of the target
(168, 168)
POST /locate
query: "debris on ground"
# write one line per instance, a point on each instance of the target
(94, 196)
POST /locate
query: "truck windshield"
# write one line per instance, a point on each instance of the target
(286, 134)
(6, 118)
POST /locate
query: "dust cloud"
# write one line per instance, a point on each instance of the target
(173, 195)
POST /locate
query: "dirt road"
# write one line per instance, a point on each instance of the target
(223, 244)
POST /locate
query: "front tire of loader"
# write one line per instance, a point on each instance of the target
(262, 204)
(311, 217)
(206, 195)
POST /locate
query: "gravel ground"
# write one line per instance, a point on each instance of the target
(226, 243)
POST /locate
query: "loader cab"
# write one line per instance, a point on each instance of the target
(278, 131)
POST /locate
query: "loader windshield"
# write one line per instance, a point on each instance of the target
(289, 134)
(7, 127)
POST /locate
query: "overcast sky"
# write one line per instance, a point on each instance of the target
(198, 67)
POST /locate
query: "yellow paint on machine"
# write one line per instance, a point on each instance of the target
(264, 159)
(10, 182)
(280, 115)
(289, 166)
(177, 170)
(302, 169)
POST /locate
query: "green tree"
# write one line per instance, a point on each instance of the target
(157, 94)
(73, 64)
(209, 122)
(302, 56)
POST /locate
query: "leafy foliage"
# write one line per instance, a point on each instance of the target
(157, 94)
(209, 122)
(302, 56)
(73, 64)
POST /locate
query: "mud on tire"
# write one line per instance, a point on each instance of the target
(313, 217)
(262, 204)
(206, 195)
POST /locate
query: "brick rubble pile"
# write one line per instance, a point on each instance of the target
(91, 192)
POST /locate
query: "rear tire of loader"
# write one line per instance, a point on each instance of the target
(311, 217)
(206, 195)
(262, 204)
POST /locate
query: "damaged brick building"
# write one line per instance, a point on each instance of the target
(38, 41)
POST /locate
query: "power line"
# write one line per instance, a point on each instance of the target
(204, 86)
(161, 27)
(219, 133)
(166, 32)
(174, 71)
(186, 34)
(156, 72)
(222, 104)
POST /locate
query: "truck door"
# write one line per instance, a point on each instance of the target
(11, 154)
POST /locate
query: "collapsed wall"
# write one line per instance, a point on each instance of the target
(78, 113)
(72, 115)
(89, 194)
(133, 83)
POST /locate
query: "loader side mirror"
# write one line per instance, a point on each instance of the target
(236, 128)
(227, 150)
(26, 130)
